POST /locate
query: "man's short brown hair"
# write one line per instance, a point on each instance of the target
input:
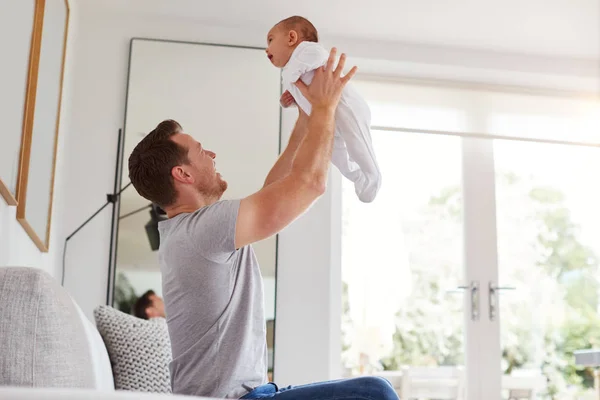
(306, 30)
(152, 160)
(143, 302)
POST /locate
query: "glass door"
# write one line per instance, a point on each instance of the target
(548, 228)
(474, 274)
(404, 316)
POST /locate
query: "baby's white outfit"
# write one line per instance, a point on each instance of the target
(353, 151)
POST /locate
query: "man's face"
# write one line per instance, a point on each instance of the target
(157, 309)
(202, 167)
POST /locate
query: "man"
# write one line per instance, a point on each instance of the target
(211, 280)
(149, 305)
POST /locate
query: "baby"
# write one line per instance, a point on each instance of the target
(293, 46)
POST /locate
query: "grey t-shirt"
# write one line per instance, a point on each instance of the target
(213, 297)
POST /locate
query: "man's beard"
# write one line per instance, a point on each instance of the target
(216, 190)
(223, 185)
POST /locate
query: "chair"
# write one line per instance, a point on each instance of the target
(523, 386)
(440, 383)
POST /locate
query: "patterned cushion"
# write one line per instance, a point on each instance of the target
(139, 350)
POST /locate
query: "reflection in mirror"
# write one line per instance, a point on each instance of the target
(36, 176)
(206, 89)
(16, 40)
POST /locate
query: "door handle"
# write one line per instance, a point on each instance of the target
(473, 297)
(474, 292)
(493, 298)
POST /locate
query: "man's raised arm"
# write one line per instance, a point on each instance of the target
(283, 165)
(278, 204)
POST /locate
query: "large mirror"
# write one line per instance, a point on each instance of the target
(227, 98)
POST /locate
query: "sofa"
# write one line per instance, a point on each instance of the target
(48, 348)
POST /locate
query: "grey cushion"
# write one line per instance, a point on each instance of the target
(139, 350)
(42, 339)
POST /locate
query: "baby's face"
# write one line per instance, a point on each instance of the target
(280, 45)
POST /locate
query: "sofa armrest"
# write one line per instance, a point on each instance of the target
(22, 393)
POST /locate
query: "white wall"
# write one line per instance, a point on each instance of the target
(18, 250)
(308, 309)
(16, 247)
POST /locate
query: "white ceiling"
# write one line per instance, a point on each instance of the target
(566, 28)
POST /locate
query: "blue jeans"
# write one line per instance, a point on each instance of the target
(362, 388)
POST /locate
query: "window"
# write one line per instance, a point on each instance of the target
(408, 256)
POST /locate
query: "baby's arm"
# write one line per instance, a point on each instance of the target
(286, 99)
(307, 58)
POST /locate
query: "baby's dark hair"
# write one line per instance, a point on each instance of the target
(306, 30)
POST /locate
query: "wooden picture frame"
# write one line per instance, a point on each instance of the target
(35, 184)
(19, 44)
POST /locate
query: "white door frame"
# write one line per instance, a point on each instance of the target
(482, 352)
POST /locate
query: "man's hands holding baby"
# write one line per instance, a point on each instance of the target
(326, 87)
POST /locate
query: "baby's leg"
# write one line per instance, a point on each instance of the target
(340, 159)
(353, 125)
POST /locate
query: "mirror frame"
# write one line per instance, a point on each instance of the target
(116, 205)
(28, 119)
(34, 46)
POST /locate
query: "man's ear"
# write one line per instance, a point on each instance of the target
(292, 38)
(150, 312)
(179, 173)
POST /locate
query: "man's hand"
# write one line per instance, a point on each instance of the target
(287, 99)
(327, 85)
